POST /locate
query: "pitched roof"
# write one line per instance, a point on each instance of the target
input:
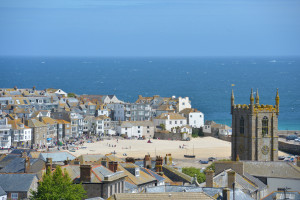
(278, 169)
(161, 196)
(16, 182)
(88, 158)
(281, 195)
(152, 173)
(2, 192)
(187, 111)
(35, 123)
(171, 115)
(57, 156)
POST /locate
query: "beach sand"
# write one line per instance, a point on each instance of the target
(202, 147)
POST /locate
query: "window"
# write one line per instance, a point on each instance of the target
(170, 122)
(180, 122)
(148, 126)
(265, 126)
(14, 196)
(148, 131)
(125, 128)
(139, 127)
(242, 122)
(175, 122)
(139, 131)
(191, 115)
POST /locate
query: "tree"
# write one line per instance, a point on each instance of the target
(191, 171)
(163, 127)
(58, 185)
(71, 95)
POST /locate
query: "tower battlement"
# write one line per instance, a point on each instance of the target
(254, 129)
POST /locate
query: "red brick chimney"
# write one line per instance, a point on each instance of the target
(85, 173)
(113, 166)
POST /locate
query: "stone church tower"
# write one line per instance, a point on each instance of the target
(254, 130)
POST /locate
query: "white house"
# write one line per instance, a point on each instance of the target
(102, 126)
(170, 120)
(194, 117)
(5, 136)
(183, 103)
(136, 129)
(57, 91)
(20, 134)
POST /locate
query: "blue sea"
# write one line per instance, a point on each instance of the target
(206, 80)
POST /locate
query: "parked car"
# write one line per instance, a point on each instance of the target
(281, 157)
(203, 161)
(297, 139)
(212, 158)
(291, 137)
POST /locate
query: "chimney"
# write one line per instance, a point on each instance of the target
(147, 162)
(130, 160)
(209, 178)
(48, 165)
(226, 194)
(24, 154)
(168, 159)
(230, 179)
(27, 164)
(158, 164)
(113, 166)
(85, 173)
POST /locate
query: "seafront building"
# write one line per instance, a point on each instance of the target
(50, 116)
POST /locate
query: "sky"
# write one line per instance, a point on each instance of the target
(149, 28)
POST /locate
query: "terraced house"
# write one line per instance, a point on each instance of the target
(5, 136)
(39, 132)
(20, 134)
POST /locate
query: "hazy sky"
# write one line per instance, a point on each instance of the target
(149, 27)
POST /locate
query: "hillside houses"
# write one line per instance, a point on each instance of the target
(41, 118)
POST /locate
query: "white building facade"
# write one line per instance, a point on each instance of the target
(170, 120)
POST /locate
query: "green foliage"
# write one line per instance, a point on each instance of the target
(58, 185)
(71, 95)
(197, 132)
(163, 127)
(191, 171)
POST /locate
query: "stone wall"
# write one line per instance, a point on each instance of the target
(224, 137)
(168, 136)
(289, 148)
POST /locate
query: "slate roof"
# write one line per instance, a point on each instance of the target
(280, 195)
(88, 158)
(221, 180)
(16, 182)
(160, 196)
(99, 173)
(137, 180)
(172, 116)
(178, 173)
(2, 192)
(17, 165)
(57, 156)
(129, 186)
(35, 123)
(155, 175)
(275, 169)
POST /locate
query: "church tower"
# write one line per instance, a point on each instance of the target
(254, 130)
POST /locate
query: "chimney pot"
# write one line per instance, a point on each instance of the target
(27, 164)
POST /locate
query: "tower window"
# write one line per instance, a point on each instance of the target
(265, 126)
(242, 126)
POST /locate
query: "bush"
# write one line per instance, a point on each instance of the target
(71, 95)
(191, 171)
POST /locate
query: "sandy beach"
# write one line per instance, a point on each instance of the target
(202, 147)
